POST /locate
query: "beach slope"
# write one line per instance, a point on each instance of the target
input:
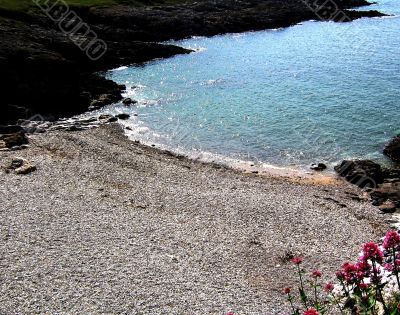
(108, 226)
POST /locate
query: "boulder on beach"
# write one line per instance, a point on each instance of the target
(392, 149)
(318, 166)
(20, 166)
(363, 173)
(10, 140)
(386, 191)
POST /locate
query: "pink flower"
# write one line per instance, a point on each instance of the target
(340, 275)
(364, 269)
(297, 260)
(363, 286)
(328, 287)
(392, 240)
(311, 311)
(371, 251)
(316, 274)
(286, 290)
(230, 313)
(388, 267)
(351, 273)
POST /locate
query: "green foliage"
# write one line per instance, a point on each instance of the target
(26, 5)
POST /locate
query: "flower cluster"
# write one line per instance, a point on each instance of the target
(370, 284)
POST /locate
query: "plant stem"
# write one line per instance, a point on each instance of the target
(302, 285)
(396, 272)
(315, 293)
(378, 290)
(291, 303)
(338, 304)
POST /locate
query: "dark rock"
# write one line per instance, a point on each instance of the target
(388, 207)
(112, 119)
(128, 101)
(10, 129)
(105, 117)
(39, 63)
(19, 147)
(318, 167)
(74, 128)
(123, 116)
(14, 139)
(363, 173)
(392, 149)
(386, 191)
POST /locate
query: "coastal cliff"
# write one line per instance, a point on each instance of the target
(44, 72)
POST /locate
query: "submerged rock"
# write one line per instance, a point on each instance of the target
(392, 149)
(128, 101)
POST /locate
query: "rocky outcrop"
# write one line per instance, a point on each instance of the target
(44, 72)
(363, 173)
(383, 184)
(392, 149)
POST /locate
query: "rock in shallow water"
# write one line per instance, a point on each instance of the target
(123, 116)
(392, 149)
(128, 101)
(318, 167)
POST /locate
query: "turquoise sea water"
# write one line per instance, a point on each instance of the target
(316, 92)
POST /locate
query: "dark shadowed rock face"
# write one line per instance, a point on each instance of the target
(363, 173)
(43, 72)
(392, 149)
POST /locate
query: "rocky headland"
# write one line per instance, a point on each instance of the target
(44, 72)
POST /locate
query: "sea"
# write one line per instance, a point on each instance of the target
(314, 92)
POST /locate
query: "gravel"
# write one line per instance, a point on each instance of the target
(108, 226)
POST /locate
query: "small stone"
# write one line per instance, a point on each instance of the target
(25, 169)
(122, 116)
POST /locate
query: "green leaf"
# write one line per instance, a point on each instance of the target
(303, 295)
